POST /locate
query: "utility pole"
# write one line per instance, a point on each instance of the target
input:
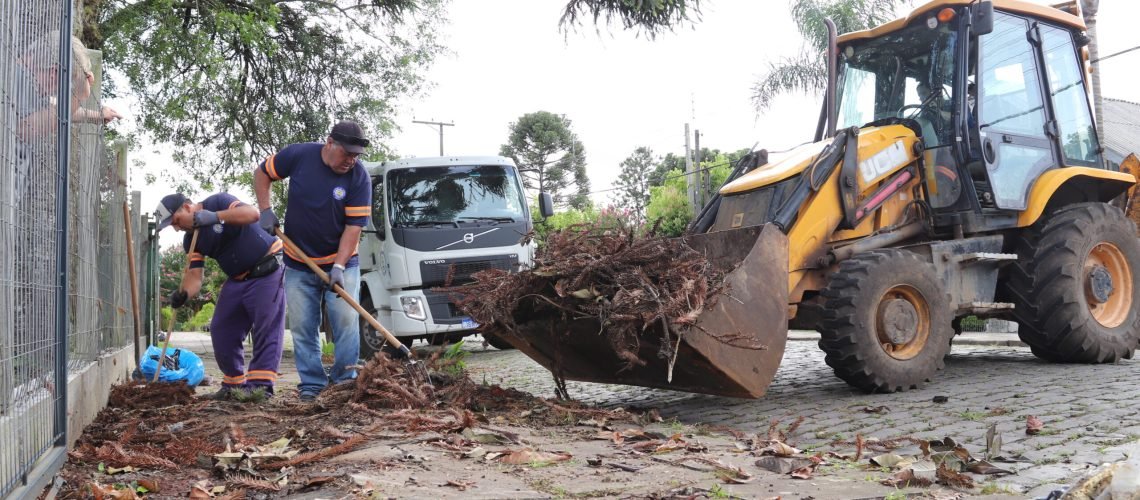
(700, 177)
(689, 180)
(1089, 10)
(441, 125)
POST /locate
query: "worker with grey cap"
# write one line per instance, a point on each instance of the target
(252, 300)
(330, 199)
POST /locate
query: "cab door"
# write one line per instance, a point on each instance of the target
(1012, 114)
(1072, 128)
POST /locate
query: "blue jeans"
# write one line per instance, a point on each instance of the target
(304, 292)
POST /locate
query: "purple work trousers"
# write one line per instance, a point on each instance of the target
(259, 305)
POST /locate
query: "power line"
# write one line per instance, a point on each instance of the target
(1114, 55)
(670, 177)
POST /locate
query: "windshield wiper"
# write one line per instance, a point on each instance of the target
(426, 223)
(488, 219)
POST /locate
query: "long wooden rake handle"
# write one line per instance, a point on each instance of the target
(173, 312)
(391, 339)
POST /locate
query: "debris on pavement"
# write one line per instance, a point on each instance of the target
(1033, 425)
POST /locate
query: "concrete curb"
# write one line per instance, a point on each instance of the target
(967, 338)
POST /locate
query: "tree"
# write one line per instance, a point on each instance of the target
(633, 182)
(171, 263)
(807, 72)
(651, 18)
(669, 209)
(228, 82)
(550, 157)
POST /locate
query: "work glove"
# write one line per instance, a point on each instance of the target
(269, 221)
(205, 218)
(336, 277)
(178, 298)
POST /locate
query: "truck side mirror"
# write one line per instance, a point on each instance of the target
(545, 205)
(983, 18)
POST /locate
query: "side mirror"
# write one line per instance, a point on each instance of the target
(983, 18)
(545, 205)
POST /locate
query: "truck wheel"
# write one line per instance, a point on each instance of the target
(370, 340)
(886, 321)
(1074, 288)
(497, 342)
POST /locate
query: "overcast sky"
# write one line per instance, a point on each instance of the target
(507, 58)
(622, 92)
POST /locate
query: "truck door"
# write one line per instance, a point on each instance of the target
(1011, 112)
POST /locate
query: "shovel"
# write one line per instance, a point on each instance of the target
(414, 367)
(174, 313)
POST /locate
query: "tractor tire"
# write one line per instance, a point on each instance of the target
(886, 321)
(1074, 289)
(497, 342)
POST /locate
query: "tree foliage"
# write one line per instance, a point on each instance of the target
(633, 182)
(650, 18)
(228, 82)
(807, 71)
(172, 262)
(669, 208)
(549, 157)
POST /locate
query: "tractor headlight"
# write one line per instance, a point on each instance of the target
(413, 307)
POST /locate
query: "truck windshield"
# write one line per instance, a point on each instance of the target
(905, 74)
(454, 194)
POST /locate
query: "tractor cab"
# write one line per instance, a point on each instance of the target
(996, 91)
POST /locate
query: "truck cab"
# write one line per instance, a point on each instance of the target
(435, 222)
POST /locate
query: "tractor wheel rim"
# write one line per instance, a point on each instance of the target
(902, 322)
(1112, 312)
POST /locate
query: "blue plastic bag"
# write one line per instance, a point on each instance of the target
(181, 365)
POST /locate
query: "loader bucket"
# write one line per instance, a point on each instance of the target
(753, 314)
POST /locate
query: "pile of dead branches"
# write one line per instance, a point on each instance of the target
(385, 383)
(628, 283)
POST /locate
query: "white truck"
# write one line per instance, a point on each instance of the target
(438, 220)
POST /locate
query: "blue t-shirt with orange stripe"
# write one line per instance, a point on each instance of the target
(236, 247)
(321, 202)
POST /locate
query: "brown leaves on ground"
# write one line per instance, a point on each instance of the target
(634, 283)
(137, 395)
(385, 398)
(533, 458)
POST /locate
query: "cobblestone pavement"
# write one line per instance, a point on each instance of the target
(1091, 412)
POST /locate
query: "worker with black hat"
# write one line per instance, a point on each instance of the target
(330, 198)
(252, 299)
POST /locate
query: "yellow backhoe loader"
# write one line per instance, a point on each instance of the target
(956, 171)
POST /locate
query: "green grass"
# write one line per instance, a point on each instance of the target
(717, 492)
(676, 425)
(994, 488)
(255, 396)
(895, 495)
(972, 415)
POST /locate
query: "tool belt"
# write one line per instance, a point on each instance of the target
(264, 267)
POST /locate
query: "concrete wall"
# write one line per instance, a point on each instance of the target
(87, 390)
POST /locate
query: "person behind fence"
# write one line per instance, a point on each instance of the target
(27, 194)
(253, 298)
(330, 198)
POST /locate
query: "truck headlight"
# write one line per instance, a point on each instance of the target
(413, 307)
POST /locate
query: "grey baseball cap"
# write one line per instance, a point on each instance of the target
(164, 213)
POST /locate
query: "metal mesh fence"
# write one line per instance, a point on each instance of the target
(39, 172)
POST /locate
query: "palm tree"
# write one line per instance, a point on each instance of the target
(1088, 10)
(807, 72)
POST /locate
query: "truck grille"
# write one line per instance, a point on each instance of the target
(435, 272)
